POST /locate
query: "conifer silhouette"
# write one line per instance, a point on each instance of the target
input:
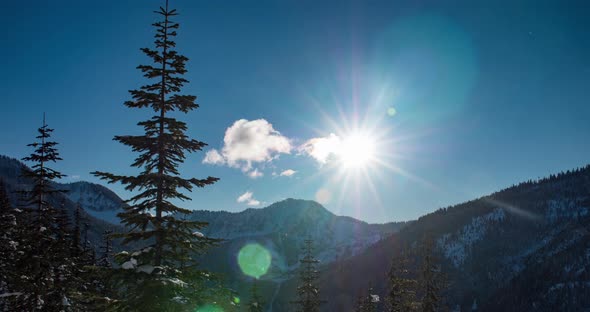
(152, 279)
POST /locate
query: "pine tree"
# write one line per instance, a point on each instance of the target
(368, 302)
(151, 279)
(66, 267)
(402, 287)
(98, 275)
(106, 250)
(77, 231)
(432, 281)
(41, 242)
(308, 292)
(255, 304)
(9, 247)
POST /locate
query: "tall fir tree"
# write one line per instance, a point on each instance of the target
(431, 279)
(77, 231)
(9, 247)
(66, 267)
(151, 279)
(402, 286)
(42, 242)
(98, 286)
(308, 292)
(255, 304)
(106, 250)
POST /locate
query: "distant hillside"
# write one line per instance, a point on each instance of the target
(526, 248)
(281, 228)
(294, 220)
(10, 173)
(99, 201)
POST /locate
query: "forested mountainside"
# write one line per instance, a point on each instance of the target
(286, 224)
(95, 198)
(282, 228)
(524, 248)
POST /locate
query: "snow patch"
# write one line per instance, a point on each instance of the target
(128, 265)
(456, 246)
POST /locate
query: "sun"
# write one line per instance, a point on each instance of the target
(357, 151)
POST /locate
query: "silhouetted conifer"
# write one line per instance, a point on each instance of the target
(77, 231)
(308, 292)
(9, 248)
(106, 250)
(402, 286)
(42, 247)
(431, 278)
(151, 279)
(255, 304)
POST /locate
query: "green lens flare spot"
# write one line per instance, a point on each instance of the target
(391, 112)
(254, 260)
(209, 308)
(237, 300)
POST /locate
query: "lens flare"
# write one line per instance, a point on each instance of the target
(209, 308)
(254, 260)
(391, 112)
(323, 196)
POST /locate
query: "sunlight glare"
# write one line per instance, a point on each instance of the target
(357, 151)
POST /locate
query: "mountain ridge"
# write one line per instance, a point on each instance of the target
(487, 247)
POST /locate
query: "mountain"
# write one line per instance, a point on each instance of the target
(525, 248)
(281, 228)
(95, 198)
(290, 222)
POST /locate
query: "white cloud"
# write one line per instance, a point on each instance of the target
(248, 198)
(288, 173)
(255, 174)
(247, 142)
(322, 148)
(214, 158)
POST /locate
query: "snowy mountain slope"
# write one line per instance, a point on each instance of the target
(291, 221)
(493, 249)
(97, 200)
(555, 278)
(10, 173)
(281, 227)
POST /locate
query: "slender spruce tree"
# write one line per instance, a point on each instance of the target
(9, 247)
(106, 250)
(431, 279)
(255, 304)
(308, 292)
(77, 231)
(402, 286)
(98, 291)
(42, 242)
(66, 265)
(151, 279)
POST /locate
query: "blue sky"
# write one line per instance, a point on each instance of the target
(485, 95)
